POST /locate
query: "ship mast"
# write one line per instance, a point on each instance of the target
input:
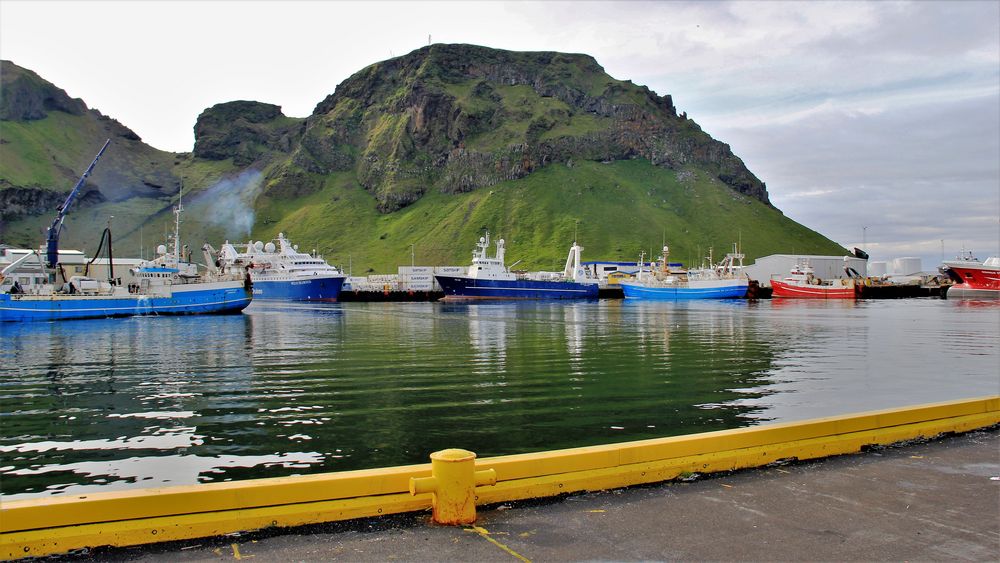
(177, 225)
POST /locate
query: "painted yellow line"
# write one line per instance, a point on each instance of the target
(56, 525)
(483, 533)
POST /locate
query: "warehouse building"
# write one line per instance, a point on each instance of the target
(824, 267)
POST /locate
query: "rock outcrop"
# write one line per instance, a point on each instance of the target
(244, 131)
(460, 117)
(26, 96)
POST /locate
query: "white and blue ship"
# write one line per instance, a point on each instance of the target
(489, 278)
(725, 280)
(280, 272)
(166, 285)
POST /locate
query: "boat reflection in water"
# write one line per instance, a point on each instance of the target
(111, 404)
(305, 388)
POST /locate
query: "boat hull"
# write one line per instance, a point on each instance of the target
(782, 289)
(318, 288)
(221, 298)
(966, 291)
(976, 279)
(460, 287)
(735, 289)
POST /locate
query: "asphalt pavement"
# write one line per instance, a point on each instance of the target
(936, 500)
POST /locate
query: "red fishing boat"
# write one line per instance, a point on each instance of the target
(802, 282)
(974, 279)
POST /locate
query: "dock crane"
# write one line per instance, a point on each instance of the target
(52, 240)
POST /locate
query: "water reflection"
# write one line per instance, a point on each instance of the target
(93, 405)
(851, 356)
(488, 329)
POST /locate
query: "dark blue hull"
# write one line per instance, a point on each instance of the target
(469, 288)
(64, 307)
(315, 289)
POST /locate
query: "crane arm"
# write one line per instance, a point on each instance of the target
(52, 240)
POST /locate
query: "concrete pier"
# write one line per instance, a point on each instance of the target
(936, 500)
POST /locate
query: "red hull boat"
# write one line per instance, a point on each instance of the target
(976, 280)
(803, 283)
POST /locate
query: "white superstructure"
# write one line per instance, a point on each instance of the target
(270, 262)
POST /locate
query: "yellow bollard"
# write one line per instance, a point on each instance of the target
(453, 484)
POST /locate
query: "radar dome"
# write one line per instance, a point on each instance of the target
(482, 240)
(162, 249)
(269, 247)
(258, 246)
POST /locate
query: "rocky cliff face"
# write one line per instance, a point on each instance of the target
(16, 201)
(446, 118)
(244, 131)
(459, 117)
(27, 96)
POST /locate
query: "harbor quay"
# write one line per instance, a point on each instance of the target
(933, 500)
(856, 502)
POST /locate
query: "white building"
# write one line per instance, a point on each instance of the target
(824, 267)
(32, 270)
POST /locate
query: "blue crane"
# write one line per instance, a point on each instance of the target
(52, 241)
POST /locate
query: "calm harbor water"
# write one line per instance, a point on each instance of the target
(294, 389)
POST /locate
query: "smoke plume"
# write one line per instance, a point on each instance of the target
(230, 202)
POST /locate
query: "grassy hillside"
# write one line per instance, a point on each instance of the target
(617, 209)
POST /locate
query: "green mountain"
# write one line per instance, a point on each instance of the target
(416, 154)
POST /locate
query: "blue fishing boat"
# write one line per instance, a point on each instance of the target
(725, 280)
(489, 278)
(280, 272)
(163, 286)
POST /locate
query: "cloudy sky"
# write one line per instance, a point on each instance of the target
(868, 121)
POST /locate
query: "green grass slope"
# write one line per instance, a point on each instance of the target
(617, 210)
